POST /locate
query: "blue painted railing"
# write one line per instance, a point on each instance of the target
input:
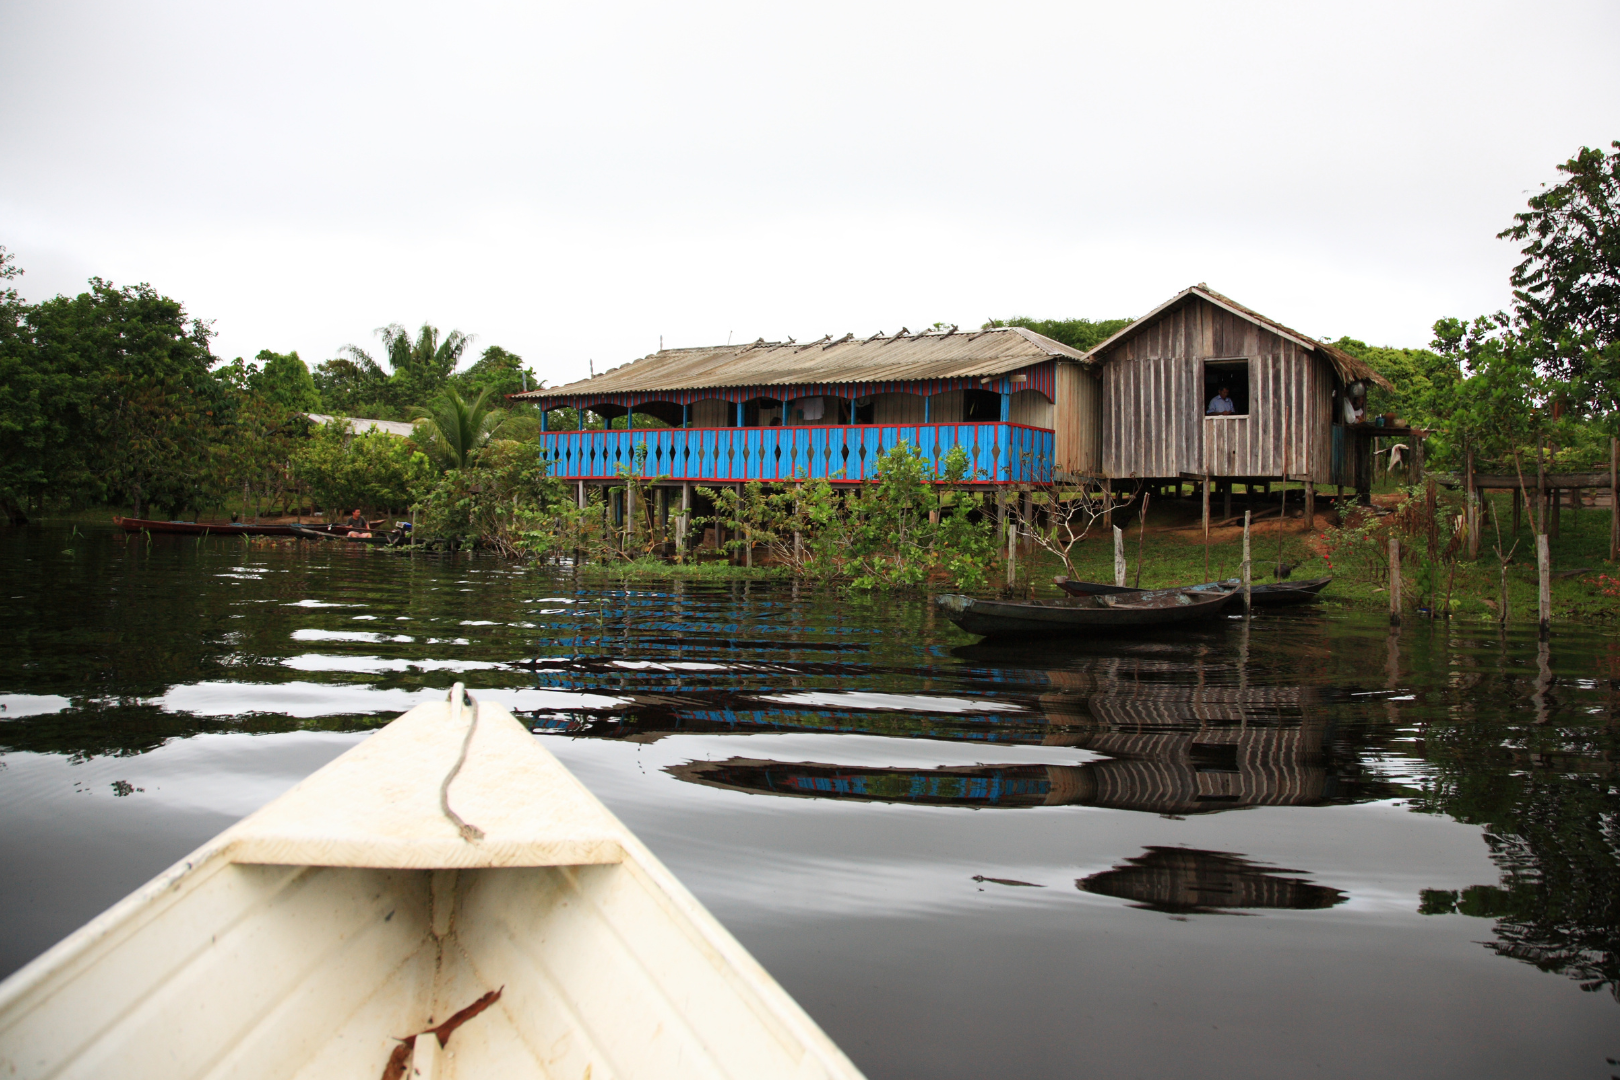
(997, 452)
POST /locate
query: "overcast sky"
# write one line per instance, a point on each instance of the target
(573, 181)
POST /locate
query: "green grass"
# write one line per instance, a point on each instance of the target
(1172, 553)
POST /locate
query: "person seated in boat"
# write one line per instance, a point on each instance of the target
(1221, 404)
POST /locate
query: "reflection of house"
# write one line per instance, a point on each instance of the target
(1018, 403)
(1188, 881)
(1287, 393)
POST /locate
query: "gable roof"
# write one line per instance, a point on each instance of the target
(1348, 367)
(950, 354)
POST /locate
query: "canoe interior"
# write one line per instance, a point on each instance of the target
(314, 972)
(241, 963)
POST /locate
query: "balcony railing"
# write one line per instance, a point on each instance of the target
(997, 452)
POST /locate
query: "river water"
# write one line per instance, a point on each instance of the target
(1297, 846)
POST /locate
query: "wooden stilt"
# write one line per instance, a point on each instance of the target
(1119, 556)
(1247, 568)
(1310, 504)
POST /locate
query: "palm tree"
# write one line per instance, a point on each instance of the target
(426, 362)
(452, 428)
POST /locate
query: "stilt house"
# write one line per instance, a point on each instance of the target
(1287, 394)
(1020, 404)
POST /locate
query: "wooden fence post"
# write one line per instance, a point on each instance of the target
(1119, 556)
(1248, 569)
(1614, 499)
(683, 523)
(1544, 584)
(1394, 582)
(1472, 503)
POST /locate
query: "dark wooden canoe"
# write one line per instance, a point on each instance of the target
(202, 528)
(1140, 610)
(1274, 594)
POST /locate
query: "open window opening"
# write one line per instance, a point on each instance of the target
(981, 406)
(1226, 388)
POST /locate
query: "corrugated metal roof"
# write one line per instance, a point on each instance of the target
(901, 356)
(1349, 368)
(358, 426)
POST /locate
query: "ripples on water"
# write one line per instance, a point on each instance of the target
(1298, 846)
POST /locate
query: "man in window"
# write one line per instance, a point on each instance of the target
(1221, 404)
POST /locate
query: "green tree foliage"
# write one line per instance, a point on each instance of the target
(1081, 334)
(284, 381)
(126, 407)
(1568, 285)
(498, 371)
(453, 429)
(372, 470)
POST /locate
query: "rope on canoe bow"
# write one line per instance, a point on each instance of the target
(459, 699)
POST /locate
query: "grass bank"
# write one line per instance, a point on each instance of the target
(1172, 552)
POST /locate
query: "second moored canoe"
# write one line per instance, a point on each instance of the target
(1138, 610)
(1271, 594)
(442, 901)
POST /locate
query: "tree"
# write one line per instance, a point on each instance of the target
(24, 395)
(285, 382)
(355, 384)
(498, 371)
(453, 429)
(1081, 334)
(1569, 281)
(126, 403)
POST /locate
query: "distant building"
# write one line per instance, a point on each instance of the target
(359, 426)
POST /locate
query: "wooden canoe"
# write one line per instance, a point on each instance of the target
(202, 528)
(447, 873)
(1138, 610)
(1271, 594)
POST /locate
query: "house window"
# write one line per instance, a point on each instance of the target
(1231, 376)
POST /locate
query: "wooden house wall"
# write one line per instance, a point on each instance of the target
(1153, 401)
(1030, 407)
(945, 408)
(1077, 421)
(897, 409)
(712, 412)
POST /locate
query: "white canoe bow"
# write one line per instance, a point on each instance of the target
(448, 872)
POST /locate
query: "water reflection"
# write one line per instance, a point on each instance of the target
(1185, 881)
(128, 646)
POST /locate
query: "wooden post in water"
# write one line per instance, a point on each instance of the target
(1119, 556)
(1544, 584)
(1248, 570)
(629, 506)
(798, 541)
(1614, 499)
(1206, 526)
(1141, 534)
(1394, 582)
(1012, 551)
(1472, 503)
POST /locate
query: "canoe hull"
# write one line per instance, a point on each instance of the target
(256, 958)
(202, 528)
(1097, 616)
(1271, 594)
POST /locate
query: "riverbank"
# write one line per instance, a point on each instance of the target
(1585, 587)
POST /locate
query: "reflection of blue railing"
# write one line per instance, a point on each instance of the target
(997, 452)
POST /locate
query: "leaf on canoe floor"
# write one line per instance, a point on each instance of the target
(400, 1059)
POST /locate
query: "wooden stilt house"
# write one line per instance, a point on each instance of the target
(1020, 404)
(1287, 395)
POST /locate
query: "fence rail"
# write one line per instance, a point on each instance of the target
(997, 452)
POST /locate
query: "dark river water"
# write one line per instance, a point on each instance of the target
(1296, 847)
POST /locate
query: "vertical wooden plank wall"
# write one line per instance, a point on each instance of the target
(1077, 421)
(1153, 401)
